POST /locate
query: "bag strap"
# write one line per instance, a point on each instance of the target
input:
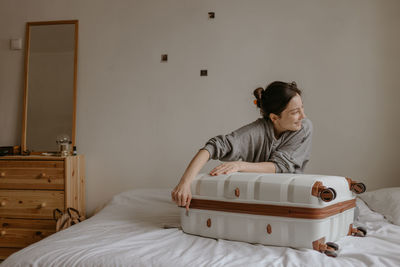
(57, 212)
(76, 216)
(63, 222)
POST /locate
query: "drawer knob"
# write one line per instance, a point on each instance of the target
(42, 175)
(42, 205)
(3, 203)
(3, 233)
(2, 174)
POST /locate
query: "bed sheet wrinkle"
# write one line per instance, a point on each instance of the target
(62, 259)
(369, 253)
(359, 260)
(155, 239)
(387, 231)
(290, 258)
(366, 212)
(181, 246)
(199, 248)
(245, 254)
(220, 254)
(83, 256)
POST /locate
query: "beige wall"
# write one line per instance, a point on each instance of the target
(139, 121)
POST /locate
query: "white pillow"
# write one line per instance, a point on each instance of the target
(386, 201)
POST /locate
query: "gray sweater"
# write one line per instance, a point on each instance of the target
(256, 142)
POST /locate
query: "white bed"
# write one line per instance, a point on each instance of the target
(130, 231)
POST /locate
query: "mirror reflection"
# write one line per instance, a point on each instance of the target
(50, 85)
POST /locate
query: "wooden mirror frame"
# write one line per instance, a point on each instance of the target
(25, 102)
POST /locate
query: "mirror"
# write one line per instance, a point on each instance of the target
(50, 84)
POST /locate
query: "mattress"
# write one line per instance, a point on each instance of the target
(138, 228)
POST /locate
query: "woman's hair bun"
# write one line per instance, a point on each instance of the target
(258, 94)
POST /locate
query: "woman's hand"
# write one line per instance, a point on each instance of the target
(227, 168)
(181, 195)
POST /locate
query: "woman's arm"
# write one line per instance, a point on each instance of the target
(181, 193)
(265, 167)
(241, 166)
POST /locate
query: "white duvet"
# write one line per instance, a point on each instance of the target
(130, 231)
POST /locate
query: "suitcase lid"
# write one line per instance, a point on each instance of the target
(297, 190)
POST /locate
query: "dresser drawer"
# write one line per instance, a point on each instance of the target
(16, 174)
(35, 204)
(31, 164)
(19, 233)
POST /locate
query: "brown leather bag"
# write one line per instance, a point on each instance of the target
(65, 220)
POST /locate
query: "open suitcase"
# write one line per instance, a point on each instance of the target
(293, 210)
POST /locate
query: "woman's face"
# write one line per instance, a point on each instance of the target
(290, 119)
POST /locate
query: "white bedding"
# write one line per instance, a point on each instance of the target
(129, 231)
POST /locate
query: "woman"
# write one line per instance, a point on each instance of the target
(280, 142)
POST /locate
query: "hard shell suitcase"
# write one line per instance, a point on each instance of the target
(294, 210)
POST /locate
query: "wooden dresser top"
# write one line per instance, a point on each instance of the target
(34, 157)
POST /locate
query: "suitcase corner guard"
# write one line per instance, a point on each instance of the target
(356, 187)
(329, 248)
(322, 192)
(359, 231)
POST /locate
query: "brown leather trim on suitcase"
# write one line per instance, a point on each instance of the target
(273, 210)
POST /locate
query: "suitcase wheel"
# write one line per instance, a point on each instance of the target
(361, 231)
(328, 194)
(359, 188)
(334, 192)
(333, 245)
(330, 253)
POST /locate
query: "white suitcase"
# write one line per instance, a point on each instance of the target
(294, 210)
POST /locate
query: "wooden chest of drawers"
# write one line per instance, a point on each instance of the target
(31, 187)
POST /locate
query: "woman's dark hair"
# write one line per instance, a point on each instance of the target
(275, 97)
